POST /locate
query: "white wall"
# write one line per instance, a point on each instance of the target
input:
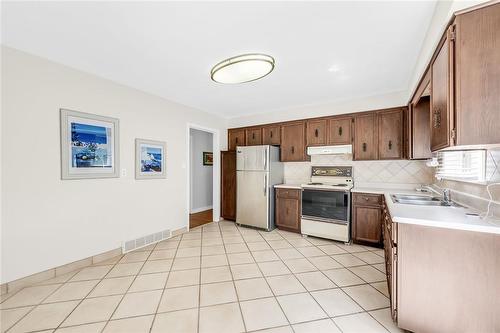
(48, 222)
(201, 175)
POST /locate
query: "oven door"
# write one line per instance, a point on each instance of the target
(326, 205)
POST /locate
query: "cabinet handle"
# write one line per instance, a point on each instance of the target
(364, 146)
(390, 144)
(236, 139)
(436, 119)
(271, 134)
(293, 150)
(340, 131)
(316, 132)
(367, 198)
(253, 135)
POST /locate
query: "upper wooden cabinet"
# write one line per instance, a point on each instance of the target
(271, 135)
(365, 137)
(316, 132)
(253, 136)
(339, 131)
(418, 128)
(390, 134)
(235, 137)
(293, 142)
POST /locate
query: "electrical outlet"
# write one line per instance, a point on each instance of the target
(124, 172)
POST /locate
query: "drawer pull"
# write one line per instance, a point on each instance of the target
(340, 131)
(316, 132)
(364, 146)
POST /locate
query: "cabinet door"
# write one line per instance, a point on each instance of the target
(339, 131)
(441, 92)
(293, 142)
(316, 132)
(288, 214)
(365, 137)
(367, 225)
(228, 185)
(390, 134)
(236, 137)
(420, 131)
(253, 136)
(271, 135)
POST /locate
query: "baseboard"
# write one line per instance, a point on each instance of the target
(201, 209)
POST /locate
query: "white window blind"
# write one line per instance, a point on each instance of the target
(468, 165)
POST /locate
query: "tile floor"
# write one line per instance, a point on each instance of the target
(217, 278)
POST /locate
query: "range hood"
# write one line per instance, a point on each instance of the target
(330, 150)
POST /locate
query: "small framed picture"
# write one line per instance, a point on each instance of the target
(150, 157)
(89, 145)
(208, 158)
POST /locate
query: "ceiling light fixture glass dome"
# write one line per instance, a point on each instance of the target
(242, 68)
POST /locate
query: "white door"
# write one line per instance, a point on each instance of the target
(252, 198)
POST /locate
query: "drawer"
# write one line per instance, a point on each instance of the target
(367, 199)
(288, 193)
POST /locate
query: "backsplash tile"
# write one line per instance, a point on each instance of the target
(392, 171)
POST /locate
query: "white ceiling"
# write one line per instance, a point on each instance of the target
(168, 48)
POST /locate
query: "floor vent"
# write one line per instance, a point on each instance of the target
(145, 240)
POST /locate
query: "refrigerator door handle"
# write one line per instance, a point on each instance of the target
(265, 185)
(265, 158)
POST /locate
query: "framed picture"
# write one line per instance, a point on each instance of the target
(89, 145)
(150, 159)
(208, 158)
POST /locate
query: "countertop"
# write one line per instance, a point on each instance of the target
(292, 186)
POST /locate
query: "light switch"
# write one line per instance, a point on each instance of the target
(124, 172)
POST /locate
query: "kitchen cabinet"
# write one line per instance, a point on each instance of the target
(390, 254)
(271, 135)
(365, 137)
(293, 142)
(253, 136)
(421, 136)
(288, 209)
(228, 185)
(367, 219)
(235, 137)
(339, 131)
(316, 132)
(390, 134)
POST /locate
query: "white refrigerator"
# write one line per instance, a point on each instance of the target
(258, 169)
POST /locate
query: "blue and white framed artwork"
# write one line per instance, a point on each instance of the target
(150, 159)
(89, 145)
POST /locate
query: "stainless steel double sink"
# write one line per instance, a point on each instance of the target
(422, 200)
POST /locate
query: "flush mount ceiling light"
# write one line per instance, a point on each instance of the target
(242, 68)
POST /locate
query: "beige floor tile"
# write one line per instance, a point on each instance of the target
(318, 326)
(110, 261)
(266, 255)
(370, 257)
(356, 323)
(236, 248)
(217, 293)
(29, 296)
(380, 267)
(211, 250)
(348, 260)
(156, 266)
(232, 240)
(185, 263)
(279, 244)
(162, 254)
(282, 329)
(164, 245)
(300, 265)
(319, 241)
(125, 269)
(224, 318)
(113, 286)
(185, 321)
(87, 328)
(343, 277)
(383, 316)
(288, 254)
(93, 310)
(272, 268)
(192, 235)
(189, 243)
(212, 242)
(311, 251)
(58, 279)
(130, 325)
(91, 273)
(149, 247)
(299, 242)
(45, 316)
(331, 249)
(271, 236)
(149, 282)
(138, 304)
(354, 248)
(368, 273)
(262, 313)
(252, 288)
(216, 274)
(335, 302)
(188, 252)
(9, 317)
(72, 291)
(183, 278)
(315, 281)
(285, 284)
(258, 246)
(211, 235)
(240, 258)
(367, 296)
(245, 271)
(300, 307)
(181, 298)
(324, 262)
(382, 287)
(214, 261)
(135, 257)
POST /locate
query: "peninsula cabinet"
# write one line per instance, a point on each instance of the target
(339, 131)
(293, 142)
(235, 137)
(367, 219)
(288, 209)
(253, 136)
(316, 132)
(271, 135)
(365, 137)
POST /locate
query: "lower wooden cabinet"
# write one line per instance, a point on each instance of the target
(391, 263)
(367, 219)
(288, 209)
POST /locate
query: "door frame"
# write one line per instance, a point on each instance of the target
(215, 171)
